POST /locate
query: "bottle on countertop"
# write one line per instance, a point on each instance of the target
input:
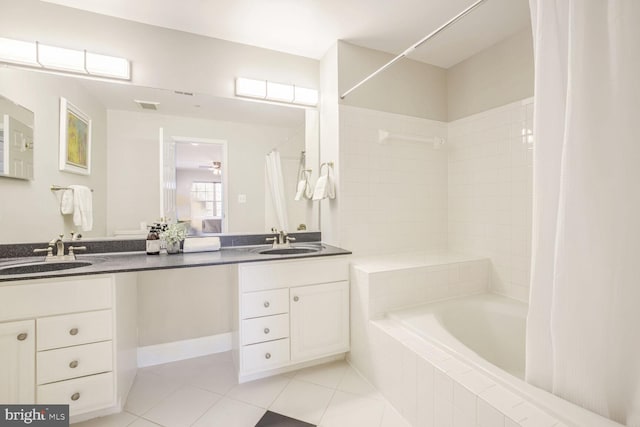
(153, 241)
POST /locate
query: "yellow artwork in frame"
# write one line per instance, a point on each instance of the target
(75, 139)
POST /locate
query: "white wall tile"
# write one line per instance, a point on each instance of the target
(425, 393)
(488, 416)
(490, 191)
(406, 202)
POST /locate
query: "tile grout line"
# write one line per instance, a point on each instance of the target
(335, 389)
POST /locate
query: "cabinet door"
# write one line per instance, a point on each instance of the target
(319, 320)
(17, 362)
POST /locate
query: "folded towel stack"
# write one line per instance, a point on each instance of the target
(201, 244)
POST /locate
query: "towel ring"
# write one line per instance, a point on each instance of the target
(329, 165)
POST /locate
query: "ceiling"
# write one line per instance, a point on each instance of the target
(310, 27)
(121, 97)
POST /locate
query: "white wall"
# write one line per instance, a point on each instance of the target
(330, 143)
(133, 165)
(185, 303)
(409, 87)
(498, 75)
(490, 192)
(393, 195)
(160, 57)
(30, 211)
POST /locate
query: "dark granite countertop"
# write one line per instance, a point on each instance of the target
(106, 263)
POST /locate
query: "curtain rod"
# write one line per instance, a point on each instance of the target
(415, 46)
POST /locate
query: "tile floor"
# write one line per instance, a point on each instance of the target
(203, 392)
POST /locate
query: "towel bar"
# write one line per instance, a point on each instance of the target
(58, 188)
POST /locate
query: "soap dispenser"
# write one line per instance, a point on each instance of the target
(153, 241)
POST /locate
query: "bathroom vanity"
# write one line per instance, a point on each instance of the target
(70, 336)
(289, 313)
(69, 340)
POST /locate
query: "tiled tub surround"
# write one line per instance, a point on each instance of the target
(430, 377)
(490, 158)
(380, 284)
(392, 195)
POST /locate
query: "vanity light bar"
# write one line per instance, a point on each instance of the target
(279, 92)
(46, 57)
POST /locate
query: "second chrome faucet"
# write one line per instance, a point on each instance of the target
(58, 243)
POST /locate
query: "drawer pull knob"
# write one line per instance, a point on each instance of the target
(75, 396)
(22, 336)
(296, 298)
(267, 356)
(73, 364)
(266, 304)
(267, 330)
(73, 331)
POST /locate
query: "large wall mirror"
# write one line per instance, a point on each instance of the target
(157, 153)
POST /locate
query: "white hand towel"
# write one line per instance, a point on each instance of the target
(66, 202)
(82, 207)
(201, 244)
(325, 186)
(320, 191)
(304, 190)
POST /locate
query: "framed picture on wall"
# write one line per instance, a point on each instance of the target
(75, 139)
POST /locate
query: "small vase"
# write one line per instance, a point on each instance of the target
(173, 247)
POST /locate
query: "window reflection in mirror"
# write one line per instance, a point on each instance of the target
(200, 196)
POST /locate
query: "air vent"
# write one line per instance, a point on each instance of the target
(147, 105)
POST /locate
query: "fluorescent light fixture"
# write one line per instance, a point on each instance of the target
(59, 58)
(47, 57)
(305, 96)
(108, 66)
(250, 87)
(17, 51)
(279, 92)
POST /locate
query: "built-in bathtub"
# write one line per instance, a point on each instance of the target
(444, 350)
(487, 333)
(486, 329)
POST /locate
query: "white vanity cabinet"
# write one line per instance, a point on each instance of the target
(319, 320)
(17, 361)
(59, 336)
(290, 314)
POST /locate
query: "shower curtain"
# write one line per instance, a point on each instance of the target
(583, 328)
(276, 184)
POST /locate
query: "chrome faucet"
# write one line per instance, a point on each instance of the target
(281, 239)
(58, 243)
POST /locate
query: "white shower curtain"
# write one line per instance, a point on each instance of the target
(276, 184)
(583, 329)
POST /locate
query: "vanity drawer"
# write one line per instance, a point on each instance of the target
(74, 329)
(47, 297)
(265, 303)
(81, 394)
(266, 355)
(73, 362)
(266, 328)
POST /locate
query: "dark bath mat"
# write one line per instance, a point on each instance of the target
(272, 419)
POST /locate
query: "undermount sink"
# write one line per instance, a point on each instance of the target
(42, 267)
(291, 250)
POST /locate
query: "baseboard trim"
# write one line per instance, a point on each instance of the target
(179, 350)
